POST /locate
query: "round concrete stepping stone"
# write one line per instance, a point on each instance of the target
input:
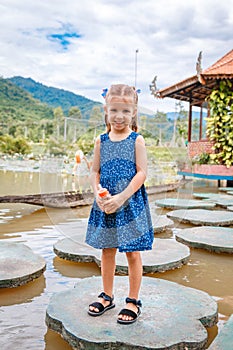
(18, 264)
(206, 195)
(230, 193)
(224, 202)
(166, 254)
(212, 196)
(224, 340)
(179, 203)
(161, 223)
(202, 217)
(225, 189)
(173, 316)
(216, 239)
(230, 208)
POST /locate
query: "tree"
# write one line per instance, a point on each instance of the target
(58, 119)
(161, 124)
(11, 145)
(74, 112)
(74, 118)
(181, 125)
(96, 119)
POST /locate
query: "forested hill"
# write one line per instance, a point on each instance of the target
(55, 97)
(17, 104)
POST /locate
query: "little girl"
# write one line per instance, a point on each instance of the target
(122, 221)
(79, 156)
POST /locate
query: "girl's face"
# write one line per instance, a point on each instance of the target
(120, 111)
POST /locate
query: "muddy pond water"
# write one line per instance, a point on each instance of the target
(22, 309)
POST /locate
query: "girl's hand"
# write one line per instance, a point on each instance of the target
(100, 202)
(112, 204)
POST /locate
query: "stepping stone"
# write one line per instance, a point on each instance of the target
(216, 239)
(18, 265)
(224, 340)
(179, 203)
(230, 193)
(160, 223)
(230, 208)
(166, 254)
(173, 316)
(202, 217)
(206, 195)
(222, 200)
(225, 189)
(212, 196)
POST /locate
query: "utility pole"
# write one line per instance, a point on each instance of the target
(136, 68)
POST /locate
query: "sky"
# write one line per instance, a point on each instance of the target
(85, 46)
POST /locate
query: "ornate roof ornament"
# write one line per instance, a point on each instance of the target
(198, 64)
(199, 69)
(153, 88)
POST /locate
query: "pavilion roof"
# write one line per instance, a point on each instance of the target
(196, 88)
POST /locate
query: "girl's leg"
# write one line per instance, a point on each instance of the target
(74, 170)
(108, 266)
(135, 277)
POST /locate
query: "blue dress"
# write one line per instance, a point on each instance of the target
(130, 228)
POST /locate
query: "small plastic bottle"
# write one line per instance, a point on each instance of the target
(103, 192)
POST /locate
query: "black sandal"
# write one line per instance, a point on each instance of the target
(100, 306)
(130, 313)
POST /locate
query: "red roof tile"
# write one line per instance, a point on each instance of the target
(223, 67)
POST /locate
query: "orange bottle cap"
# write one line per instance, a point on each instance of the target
(103, 192)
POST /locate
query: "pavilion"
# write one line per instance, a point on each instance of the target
(195, 91)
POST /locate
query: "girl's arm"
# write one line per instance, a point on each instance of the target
(115, 202)
(95, 170)
(141, 166)
(87, 163)
(95, 173)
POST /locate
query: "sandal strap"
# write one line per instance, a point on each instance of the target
(98, 306)
(106, 297)
(133, 301)
(127, 312)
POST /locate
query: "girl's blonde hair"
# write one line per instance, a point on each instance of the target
(127, 91)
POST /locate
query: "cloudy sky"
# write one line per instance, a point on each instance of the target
(84, 46)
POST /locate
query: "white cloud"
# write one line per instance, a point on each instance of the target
(169, 35)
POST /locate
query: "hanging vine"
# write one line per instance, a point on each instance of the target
(219, 126)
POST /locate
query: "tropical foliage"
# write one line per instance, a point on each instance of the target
(220, 123)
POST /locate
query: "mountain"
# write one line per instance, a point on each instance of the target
(195, 115)
(55, 97)
(18, 104)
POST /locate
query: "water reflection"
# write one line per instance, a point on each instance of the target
(75, 269)
(22, 294)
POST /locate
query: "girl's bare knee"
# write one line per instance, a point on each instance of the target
(109, 252)
(133, 256)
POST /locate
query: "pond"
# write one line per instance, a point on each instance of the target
(22, 309)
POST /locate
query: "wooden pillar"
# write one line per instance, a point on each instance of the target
(190, 120)
(200, 125)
